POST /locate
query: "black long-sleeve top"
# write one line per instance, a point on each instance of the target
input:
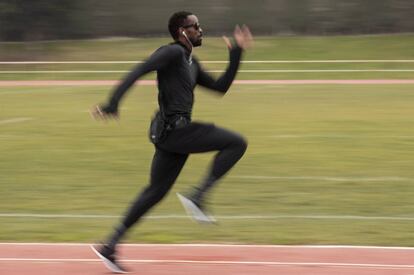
(177, 75)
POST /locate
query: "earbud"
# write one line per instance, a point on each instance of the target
(186, 37)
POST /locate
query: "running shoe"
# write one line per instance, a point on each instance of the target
(107, 255)
(195, 210)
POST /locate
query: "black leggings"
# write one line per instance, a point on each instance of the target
(171, 155)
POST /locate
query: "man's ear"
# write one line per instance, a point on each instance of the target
(182, 32)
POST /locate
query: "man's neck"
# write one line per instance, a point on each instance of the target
(186, 44)
(188, 52)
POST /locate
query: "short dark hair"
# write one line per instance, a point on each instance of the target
(176, 21)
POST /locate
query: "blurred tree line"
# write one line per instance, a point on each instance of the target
(26, 20)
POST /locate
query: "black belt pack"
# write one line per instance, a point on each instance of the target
(158, 128)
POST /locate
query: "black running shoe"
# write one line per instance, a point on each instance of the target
(107, 255)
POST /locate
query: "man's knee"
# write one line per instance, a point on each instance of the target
(241, 144)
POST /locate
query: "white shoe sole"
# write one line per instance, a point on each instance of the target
(110, 265)
(194, 211)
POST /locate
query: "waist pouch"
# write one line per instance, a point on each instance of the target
(160, 126)
(180, 122)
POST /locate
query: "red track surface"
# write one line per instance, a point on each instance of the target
(56, 259)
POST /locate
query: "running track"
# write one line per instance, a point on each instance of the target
(57, 259)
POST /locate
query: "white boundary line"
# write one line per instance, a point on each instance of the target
(221, 217)
(211, 71)
(225, 245)
(63, 72)
(325, 178)
(336, 136)
(213, 262)
(215, 61)
(69, 62)
(320, 71)
(61, 83)
(15, 120)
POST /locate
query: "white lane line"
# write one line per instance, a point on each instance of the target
(325, 61)
(211, 71)
(75, 216)
(67, 62)
(46, 260)
(236, 246)
(221, 217)
(218, 262)
(320, 71)
(15, 120)
(215, 61)
(10, 136)
(48, 83)
(63, 72)
(338, 136)
(324, 178)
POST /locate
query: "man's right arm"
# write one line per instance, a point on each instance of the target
(158, 60)
(243, 40)
(222, 84)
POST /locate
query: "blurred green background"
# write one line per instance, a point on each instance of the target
(65, 19)
(326, 164)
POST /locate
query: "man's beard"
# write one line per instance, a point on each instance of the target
(197, 43)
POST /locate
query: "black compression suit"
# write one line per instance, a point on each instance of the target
(177, 75)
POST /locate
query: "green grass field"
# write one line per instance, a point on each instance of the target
(375, 47)
(341, 152)
(62, 162)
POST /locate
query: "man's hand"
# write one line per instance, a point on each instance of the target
(242, 36)
(99, 113)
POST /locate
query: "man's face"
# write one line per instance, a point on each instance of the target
(193, 30)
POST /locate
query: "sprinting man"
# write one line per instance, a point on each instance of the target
(172, 131)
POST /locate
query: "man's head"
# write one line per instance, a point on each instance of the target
(184, 25)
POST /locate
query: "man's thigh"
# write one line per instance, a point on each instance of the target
(166, 166)
(198, 138)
